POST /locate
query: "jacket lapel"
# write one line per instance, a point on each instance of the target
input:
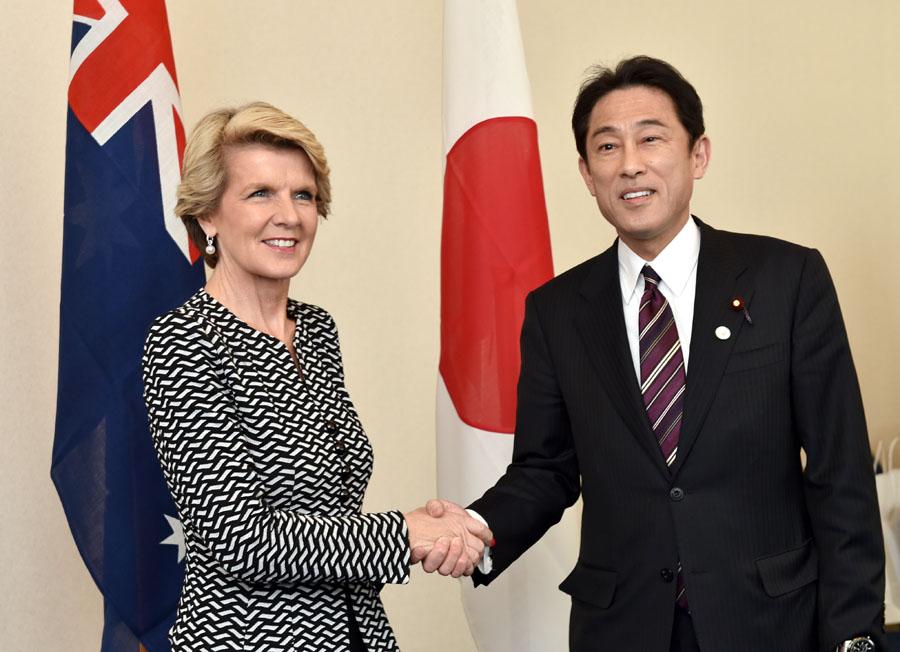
(601, 325)
(720, 278)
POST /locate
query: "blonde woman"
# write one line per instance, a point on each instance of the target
(260, 445)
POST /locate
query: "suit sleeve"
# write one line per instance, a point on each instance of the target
(839, 481)
(198, 438)
(543, 479)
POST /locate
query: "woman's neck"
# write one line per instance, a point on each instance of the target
(261, 303)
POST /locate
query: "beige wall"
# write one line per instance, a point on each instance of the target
(801, 98)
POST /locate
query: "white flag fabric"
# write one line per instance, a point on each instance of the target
(495, 248)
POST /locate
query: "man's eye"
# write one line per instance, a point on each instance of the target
(651, 139)
(607, 147)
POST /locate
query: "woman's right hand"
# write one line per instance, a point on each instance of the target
(446, 539)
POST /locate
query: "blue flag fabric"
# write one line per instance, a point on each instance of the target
(121, 268)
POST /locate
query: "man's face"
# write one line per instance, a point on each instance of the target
(639, 166)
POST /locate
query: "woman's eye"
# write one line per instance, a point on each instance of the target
(303, 195)
(260, 192)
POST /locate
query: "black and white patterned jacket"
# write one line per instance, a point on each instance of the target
(267, 464)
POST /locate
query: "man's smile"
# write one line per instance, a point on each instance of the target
(632, 195)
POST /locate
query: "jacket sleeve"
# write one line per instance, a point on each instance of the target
(543, 479)
(839, 481)
(199, 440)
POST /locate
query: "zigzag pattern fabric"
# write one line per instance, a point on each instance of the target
(268, 463)
(662, 378)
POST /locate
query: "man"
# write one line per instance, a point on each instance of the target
(672, 382)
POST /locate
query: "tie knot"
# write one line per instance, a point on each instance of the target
(650, 276)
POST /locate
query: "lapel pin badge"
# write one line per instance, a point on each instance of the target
(738, 304)
(723, 332)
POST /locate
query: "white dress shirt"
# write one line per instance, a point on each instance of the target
(676, 266)
(677, 269)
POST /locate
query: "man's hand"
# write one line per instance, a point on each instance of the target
(437, 508)
(446, 539)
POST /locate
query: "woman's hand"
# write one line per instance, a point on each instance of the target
(446, 539)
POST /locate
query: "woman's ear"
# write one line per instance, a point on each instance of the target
(209, 228)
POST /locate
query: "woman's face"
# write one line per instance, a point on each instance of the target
(266, 221)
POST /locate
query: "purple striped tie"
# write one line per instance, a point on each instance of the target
(662, 376)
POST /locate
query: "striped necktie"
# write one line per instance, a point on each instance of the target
(662, 377)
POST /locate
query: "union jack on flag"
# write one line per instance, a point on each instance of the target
(126, 259)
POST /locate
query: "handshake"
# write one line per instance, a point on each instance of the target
(445, 538)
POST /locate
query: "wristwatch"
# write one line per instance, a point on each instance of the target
(858, 644)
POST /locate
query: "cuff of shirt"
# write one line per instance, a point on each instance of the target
(485, 564)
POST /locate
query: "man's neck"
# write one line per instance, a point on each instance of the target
(649, 248)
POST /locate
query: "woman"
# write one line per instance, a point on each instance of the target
(258, 440)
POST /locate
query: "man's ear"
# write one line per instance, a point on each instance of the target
(586, 175)
(700, 154)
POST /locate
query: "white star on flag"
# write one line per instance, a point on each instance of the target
(177, 536)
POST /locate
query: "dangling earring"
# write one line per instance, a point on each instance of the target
(210, 247)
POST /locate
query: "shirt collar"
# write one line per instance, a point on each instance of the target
(674, 264)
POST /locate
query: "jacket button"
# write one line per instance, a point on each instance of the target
(676, 493)
(667, 575)
(331, 425)
(340, 446)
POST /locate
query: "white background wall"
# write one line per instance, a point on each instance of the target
(802, 101)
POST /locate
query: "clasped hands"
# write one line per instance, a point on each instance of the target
(446, 539)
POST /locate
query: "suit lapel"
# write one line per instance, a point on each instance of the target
(720, 278)
(601, 325)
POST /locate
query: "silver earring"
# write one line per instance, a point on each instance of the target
(210, 247)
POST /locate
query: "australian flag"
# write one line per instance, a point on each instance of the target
(126, 259)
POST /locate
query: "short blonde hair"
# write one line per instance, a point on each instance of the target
(203, 173)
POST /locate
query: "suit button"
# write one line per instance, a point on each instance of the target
(676, 493)
(667, 575)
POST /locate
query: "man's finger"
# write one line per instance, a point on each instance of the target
(480, 530)
(436, 555)
(462, 565)
(474, 555)
(453, 553)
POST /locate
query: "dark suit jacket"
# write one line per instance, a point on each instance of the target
(775, 557)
